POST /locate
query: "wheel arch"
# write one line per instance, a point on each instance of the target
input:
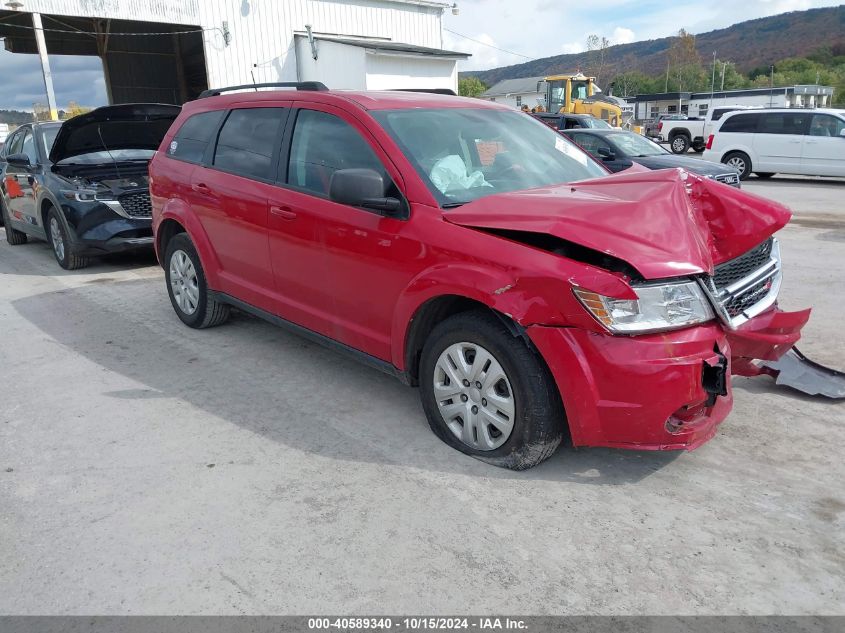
(177, 217)
(433, 297)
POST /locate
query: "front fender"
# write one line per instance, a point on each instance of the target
(180, 211)
(525, 298)
(478, 283)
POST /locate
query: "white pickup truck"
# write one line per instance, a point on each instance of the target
(681, 135)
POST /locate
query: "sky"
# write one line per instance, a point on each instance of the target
(528, 28)
(542, 28)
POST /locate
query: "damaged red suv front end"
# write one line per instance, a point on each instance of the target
(670, 389)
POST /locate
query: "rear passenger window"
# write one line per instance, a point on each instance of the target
(783, 123)
(246, 142)
(741, 123)
(194, 136)
(322, 144)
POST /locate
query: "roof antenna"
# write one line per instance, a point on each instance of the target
(252, 74)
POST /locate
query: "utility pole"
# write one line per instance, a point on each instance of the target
(45, 66)
(724, 68)
(713, 81)
(772, 87)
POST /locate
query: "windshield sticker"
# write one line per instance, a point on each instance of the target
(173, 146)
(570, 150)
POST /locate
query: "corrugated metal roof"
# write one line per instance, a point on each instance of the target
(391, 47)
(523, 85)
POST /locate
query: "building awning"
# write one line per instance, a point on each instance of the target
(390, 47)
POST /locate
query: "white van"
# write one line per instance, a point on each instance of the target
(782, 140)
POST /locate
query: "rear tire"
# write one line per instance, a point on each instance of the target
(57, 236)
(739, 161)
(764, 175)
(679, 144)
(187, 286)
(13, 236)
(515, 419)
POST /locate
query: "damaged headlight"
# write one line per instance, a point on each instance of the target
(657, 308)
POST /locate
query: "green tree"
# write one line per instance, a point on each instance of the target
(471, 87)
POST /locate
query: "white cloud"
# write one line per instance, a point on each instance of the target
(622, 35)
(573, 47)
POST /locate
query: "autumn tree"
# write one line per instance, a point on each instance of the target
(684, 71)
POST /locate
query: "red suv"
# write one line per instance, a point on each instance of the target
(469, 249)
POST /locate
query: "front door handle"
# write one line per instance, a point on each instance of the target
(283, 212)
(201, 188)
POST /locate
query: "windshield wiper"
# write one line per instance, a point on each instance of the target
(452, 205)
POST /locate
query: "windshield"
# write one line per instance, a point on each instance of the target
(115, 155)
(635, 145)
(466, 154)
(596, 124)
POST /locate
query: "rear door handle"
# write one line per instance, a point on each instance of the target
(283, 212)
(201, 188)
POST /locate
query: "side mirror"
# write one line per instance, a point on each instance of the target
(18, 160)
(362, 188)
(606, 154)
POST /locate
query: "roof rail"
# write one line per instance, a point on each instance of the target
(299, 85)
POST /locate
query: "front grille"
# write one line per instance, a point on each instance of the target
(746, 285)
(740, 267)
(728, 179)
(735, 306)
(136, 205)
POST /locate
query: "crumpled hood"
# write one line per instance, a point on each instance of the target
(647, 219)
(124, 126)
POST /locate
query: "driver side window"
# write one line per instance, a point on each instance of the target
(323, 144)
(590, 144)
(28, 147)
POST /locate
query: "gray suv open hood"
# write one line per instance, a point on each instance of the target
(124, 126)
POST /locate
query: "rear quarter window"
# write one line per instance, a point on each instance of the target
(193, 137)
(741, 123)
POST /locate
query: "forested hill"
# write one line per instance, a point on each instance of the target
(749, 45)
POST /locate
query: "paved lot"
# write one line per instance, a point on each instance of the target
(149, 468)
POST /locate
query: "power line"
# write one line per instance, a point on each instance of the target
(504, 50)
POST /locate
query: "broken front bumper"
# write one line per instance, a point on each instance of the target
(651, 392)
(659, 391)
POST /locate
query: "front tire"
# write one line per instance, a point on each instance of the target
(679, 144)
(57, 236)
(740, 162)
(487, 394)
(187, 286)
(13, 236)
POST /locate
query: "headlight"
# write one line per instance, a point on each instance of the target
(657, 308)
(80, 195)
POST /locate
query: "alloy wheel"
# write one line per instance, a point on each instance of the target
(57, 239)
(184, 282)
(737, 163)
(474, 396)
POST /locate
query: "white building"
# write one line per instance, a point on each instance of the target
(648, 106)
(168, 51)
(529, 91)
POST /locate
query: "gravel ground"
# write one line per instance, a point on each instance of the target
(146, 468)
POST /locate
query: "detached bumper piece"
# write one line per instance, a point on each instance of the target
(795, 370)
(766, 346)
